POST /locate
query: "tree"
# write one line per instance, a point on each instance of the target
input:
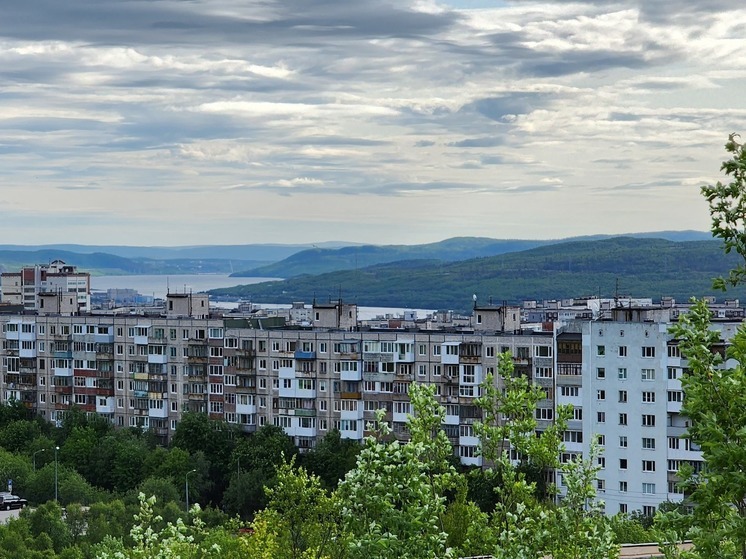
(393, 502)
(332, 458)
(305, 517)
(715, 404)
(727, 204)
(713, 387)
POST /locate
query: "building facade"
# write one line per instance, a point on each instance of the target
(621, 373)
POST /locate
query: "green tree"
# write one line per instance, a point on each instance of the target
(305, 517)
(727, 205)
(393, 501)
(714, 403)
(332, 458)
(47, 519)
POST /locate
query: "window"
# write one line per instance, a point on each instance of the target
(602, 462)
(673, 443)
(601, 350)
(622, 396)
(673, 373)
(648, 488)
(648, 351)
(601, 394)
(622, 463)
(648, 397)
(622, 419)
(648, 374)
(623, 441)
(570, 391)
(648, 465)
(601, 373)
(544, 413)
(577, 414)
(622, 351)
(622, 373)
(601, 484)
(648, 510)
(601, 440)
(601, 417)
(648, 443)
(648, 420)
(675, 396)
(622, 487)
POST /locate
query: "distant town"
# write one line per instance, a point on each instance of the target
(313, 367)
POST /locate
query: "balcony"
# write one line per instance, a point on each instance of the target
(304, 354)
(305, 413)
(351, 395)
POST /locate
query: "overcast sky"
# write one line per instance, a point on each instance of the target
(182, 122)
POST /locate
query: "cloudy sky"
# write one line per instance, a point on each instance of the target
(180, 122)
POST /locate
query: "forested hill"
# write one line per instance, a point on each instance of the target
(320, 260)
(633, 266)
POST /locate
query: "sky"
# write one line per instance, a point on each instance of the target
(193, 122)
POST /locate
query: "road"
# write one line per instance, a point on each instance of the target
(6, 514)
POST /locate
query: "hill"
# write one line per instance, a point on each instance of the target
(322, 260)
(638, 266)
(104, 263)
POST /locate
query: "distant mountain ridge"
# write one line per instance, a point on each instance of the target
(642, 267)
(322, 260)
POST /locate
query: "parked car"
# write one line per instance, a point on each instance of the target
(9, 501)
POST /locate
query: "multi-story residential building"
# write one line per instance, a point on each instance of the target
(26, 286)
(620, 370)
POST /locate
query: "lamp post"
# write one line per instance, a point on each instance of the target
(186, 487)
(56, 448)
(34, 456)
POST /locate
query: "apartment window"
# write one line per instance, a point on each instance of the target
(648, 351)
(601, 394)
(601, 439)
(622, 419)
(600, 373)
(648, 397)
(648, 374)
(601, 350)
(648, 420)
(622, 396)
(544, 414)
(648, 443)
(622, 351)
(570, 390)
(601, 484)
(649, 510)
(622, 373)
(648, 465)
(601, 462)
(623, 508)
(601, 417)
(673, 373)
(622, 487)
(673, 443)
(648, 488)
(675, 396)
(623, 464)
(577, 414)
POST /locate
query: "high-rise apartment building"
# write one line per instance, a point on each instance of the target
(33, 286)
(617, 366)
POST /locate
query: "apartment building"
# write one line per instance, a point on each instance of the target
(57, 278)
(621, 373)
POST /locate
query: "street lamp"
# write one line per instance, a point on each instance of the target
(186, 487)
(34, 456)
(56, 448)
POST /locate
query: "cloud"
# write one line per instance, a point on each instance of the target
(418, 112)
